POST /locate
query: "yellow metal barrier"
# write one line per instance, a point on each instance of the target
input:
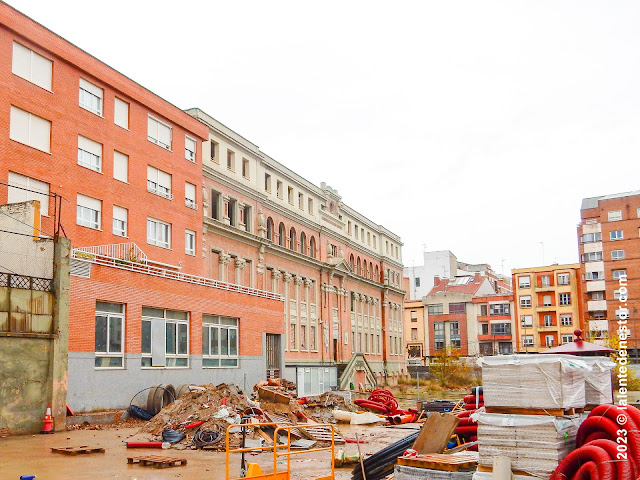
(280, 427)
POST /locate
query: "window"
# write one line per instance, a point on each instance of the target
(567, 339)
(159, 132)
(213, 146)
(434, 309)
(525, 302)
(563, 279)
(454, 331)
(109, 339)
(119, 221)
(270, 229)
(617, 274)
(615, 215)
(524, 282)
(438, 335)
(617, 254)
(231, 161)
(526, 320)
(90, 97)
(159, 182)
(548, 320)
(215, 204)
(165, 338)
(267, 182)
(546, 300)
(499, 309)
(566, 320)
(414, 334)
(312, 337)
(245, 168)
(598, 295)
(594, 275)
(500, 329)
(158, 233)
(564, 299)
(616, 235)
(121, 113)
(417, 281)
(190, 195)
(89, 154)
(247, 218)
(290, 195)
(484, 328)
(368, 238)
(231, 212)
(30, 129)
(88, 212)
(279, 189)
(549, 340)
(505, 348)
(592, 257)
(190, 148)
(591, 237)
(189, 242)
(414, 315)
(527, 341)
(31, 66)
(312, 247)
(483, 310)
(375, 242)
(17, 195)
(546, 280)
(300, 201)
(457, 307)
(310, 206)
(121, 166)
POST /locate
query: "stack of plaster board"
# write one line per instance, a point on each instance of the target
(533, 381)
(403, 472)
(598, 386)
(534, 443)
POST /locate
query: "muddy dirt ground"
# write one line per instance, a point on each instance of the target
(31, 455)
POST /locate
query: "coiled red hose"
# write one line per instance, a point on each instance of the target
(570, 465)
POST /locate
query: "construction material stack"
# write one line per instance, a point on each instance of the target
(531, 414)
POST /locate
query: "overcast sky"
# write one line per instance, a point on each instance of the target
(474, 126)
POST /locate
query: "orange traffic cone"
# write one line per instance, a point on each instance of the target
(48, 422)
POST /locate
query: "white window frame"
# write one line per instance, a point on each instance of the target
(120, 107)
(526, 283)
(561, 279)
(34, 73)
(154, 183)
(17, 114)
(157, 240)
(566, 320)
(190, 153)
(214, 322)
(616, 274)
(190, 242)
(545, 302)
(87, 156)
(565, 295)
(566, 338)
(169, 357)
(121, 157)
(547, 342)
(90, 97)
(17, 195)
(120, 225)
(527, 340)
(189, 201)
(153, 131)
(108, 353)
(614, 215)
(548, 320)
(84, 212)
(525, 301)
(616, 235)
(617, 255)
(524, 323)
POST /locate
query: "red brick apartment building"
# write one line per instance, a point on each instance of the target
(609, 246)
(197, 258)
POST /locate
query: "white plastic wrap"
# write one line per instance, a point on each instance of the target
(403, 472)
(489, 476)
(598, 386)
(534, 443)
(533, 381)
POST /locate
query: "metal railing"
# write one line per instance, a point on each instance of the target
(24, 282)
(123, 251)
(98, 258)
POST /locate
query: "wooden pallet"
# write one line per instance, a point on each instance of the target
(441, 461)
(554, 412)
(482, 468)
(4, 432)
(321, 434)
(81, 450)
(157, 461)
(275, 418)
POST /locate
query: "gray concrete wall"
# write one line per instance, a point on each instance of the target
(93, 389)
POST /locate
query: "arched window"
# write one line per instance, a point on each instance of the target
(351, 261)
(312, 247)
(270, 229)
(377, 275)
(303, 243)
(281, 234)
(292, 239)
(358, 267)
(370, 270)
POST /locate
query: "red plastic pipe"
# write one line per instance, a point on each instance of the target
(144, 444)
(194, 425)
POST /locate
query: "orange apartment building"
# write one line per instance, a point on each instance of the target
(190, 264)
(548, 304)
(609, 247)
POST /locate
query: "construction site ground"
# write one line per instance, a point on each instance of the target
(31, 455)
